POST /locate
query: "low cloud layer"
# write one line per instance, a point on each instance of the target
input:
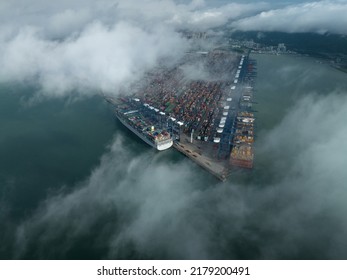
(319, 17)
(162, 210)
(100, 58)
(90, 46)
(81, 49)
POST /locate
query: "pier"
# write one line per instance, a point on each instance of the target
(213, 166)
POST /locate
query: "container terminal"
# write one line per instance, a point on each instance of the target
(208, 118)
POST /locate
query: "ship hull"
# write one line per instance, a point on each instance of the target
(242, 163)
(160, 146)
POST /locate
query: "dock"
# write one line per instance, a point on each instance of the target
(215, 167)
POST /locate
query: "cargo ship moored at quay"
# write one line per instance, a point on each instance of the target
(131, 117)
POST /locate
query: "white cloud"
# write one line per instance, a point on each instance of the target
(92, 46)
(62, 23)
(98, 58)
(151, 208)
(319, 17)
(215, 16)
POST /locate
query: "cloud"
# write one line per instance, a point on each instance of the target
(99, 58)
(200, 67)
(67, 47)
(61, 19)
(107, 45)
(142, 206)
(88, 47)
(131, 197)
(62, 23)
(216, 16)
(318, 17)
(195, 15)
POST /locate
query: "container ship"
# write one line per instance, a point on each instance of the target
(132, 114)
(242, 154)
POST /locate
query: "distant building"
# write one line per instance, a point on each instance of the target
(281, 48)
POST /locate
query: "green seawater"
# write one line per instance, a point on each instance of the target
(47, 145)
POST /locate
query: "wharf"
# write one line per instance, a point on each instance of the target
(215, 167)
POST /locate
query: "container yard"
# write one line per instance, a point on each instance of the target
(206, 112)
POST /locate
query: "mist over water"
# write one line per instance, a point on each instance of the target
(76, 184)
